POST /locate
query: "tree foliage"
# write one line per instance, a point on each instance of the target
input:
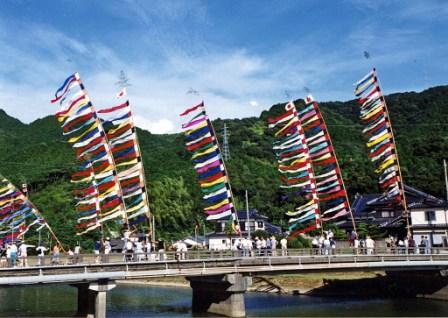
(37, 154)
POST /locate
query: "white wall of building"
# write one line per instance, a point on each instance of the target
(419, 217)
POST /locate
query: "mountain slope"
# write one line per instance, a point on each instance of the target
(38, 155)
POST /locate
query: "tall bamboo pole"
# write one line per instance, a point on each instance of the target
(225, 171)
(404, 203)
(337, 165)
(108, 150)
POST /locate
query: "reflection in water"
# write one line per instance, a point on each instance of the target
(152, 301)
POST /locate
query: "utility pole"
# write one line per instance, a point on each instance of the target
(247, 216)
(225, 143)
(446, 200)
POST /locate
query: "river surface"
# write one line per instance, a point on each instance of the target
(141, 301)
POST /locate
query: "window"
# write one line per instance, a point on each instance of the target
(387, 214)
(430, 216)
(260, 224)
(243, 226)
(218, 227)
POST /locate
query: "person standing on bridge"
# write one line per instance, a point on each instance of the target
(274, 245)
(41, 249)
(161, 249)
(148, 248)
(284, 246)
(370, 245)
(13, 253)
(107, 249)
(23, 254)
(96, 251)
(56, 255)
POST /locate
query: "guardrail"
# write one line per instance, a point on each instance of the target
(379, 254)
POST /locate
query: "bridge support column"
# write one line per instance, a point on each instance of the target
(220, 294)
(92, 298)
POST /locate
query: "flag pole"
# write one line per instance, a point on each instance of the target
(446, 199)
(404, 202)
(313, 179)
(247, 215)
(209, 122)
(149, 214)
(337, 165)
(108, 150)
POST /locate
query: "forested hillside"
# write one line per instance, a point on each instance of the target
(37, 154)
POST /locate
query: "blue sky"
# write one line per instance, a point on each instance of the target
(240, 56)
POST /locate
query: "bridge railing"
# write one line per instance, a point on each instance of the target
(307, 255)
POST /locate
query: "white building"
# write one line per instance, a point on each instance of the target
(220, 240)
(430, 218)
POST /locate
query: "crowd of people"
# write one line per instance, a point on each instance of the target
(135, 248)
(16, 254)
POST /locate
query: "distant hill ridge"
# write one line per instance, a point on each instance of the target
(37, 154)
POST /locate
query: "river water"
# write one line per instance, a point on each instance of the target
(141, 301)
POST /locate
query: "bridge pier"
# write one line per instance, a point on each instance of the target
(220, 294)
(92, 298)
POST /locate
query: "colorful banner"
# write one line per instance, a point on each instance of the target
(379, 135)
(209, 165)
(17, 213)
(119, 126)
(323, 157)
(97, 175)
(296, 171)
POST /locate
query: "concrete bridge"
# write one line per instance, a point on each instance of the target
(218, 280)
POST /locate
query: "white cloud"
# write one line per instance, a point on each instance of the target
(162, 126)
(253, 103)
